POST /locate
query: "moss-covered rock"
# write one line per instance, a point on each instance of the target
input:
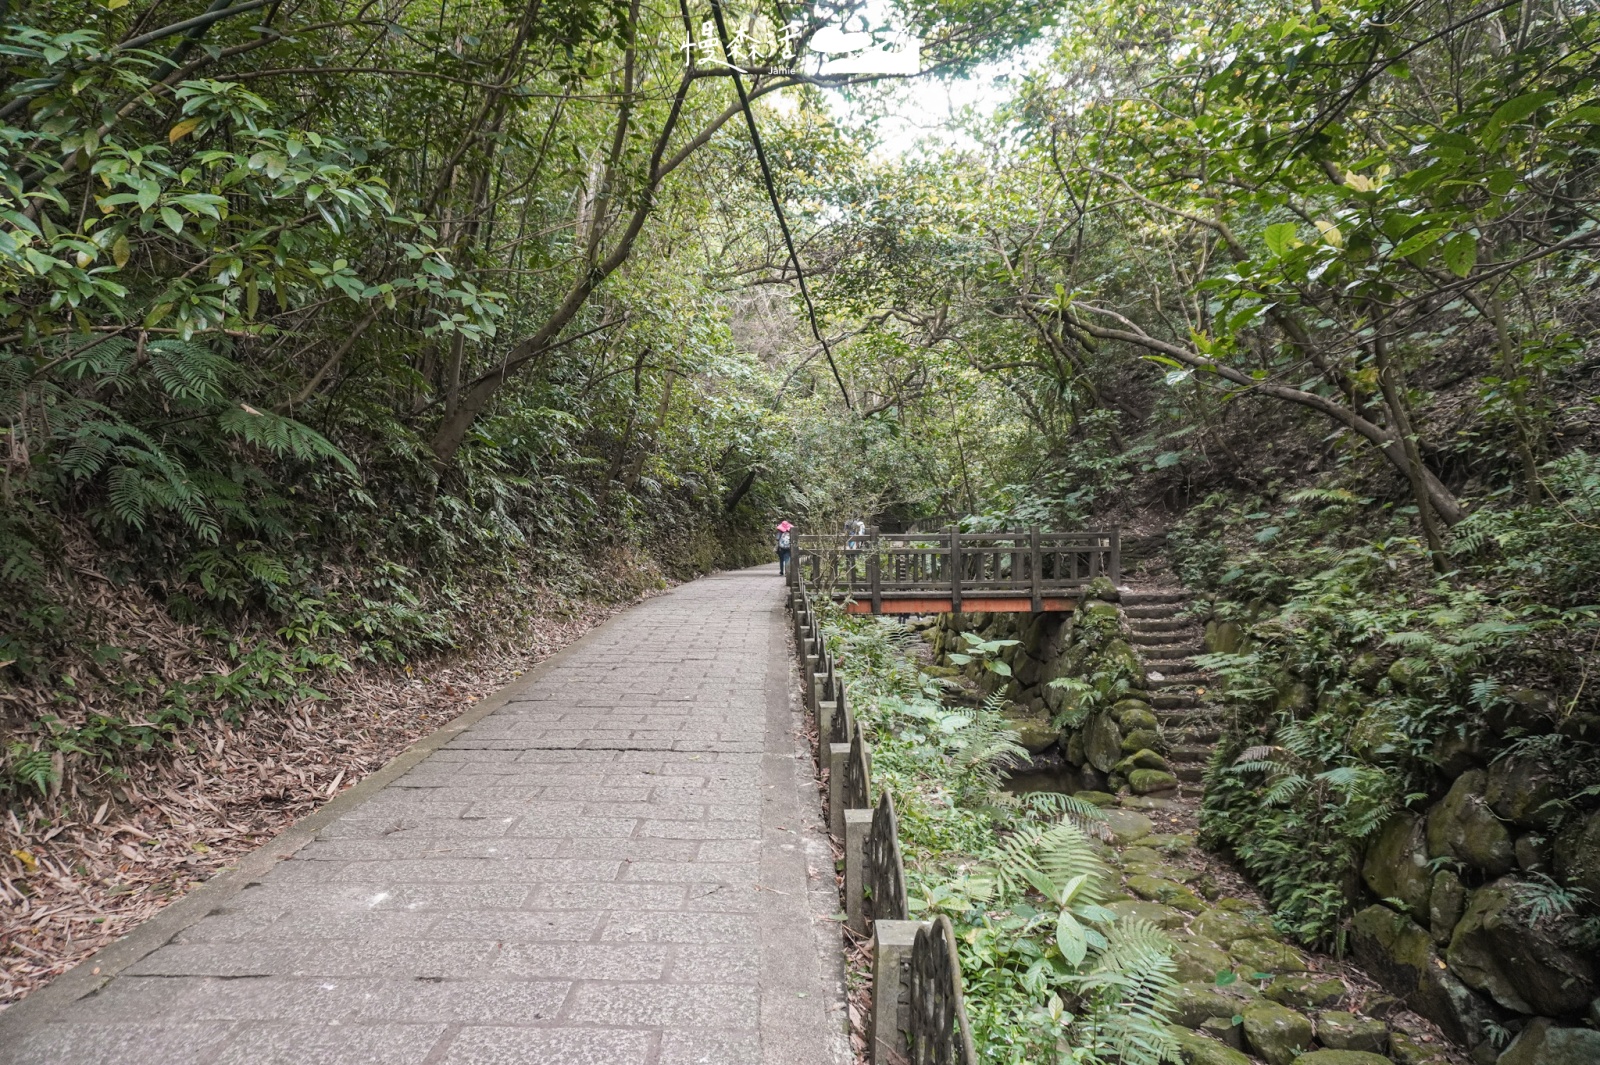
(1103, 589)
(1167, 892)
(1408, 1050)
(1339, 1030)
(1193, 1002)
(1101, 799)
(1141, 739)
(1223, 637)
(1521, 790)
(1524, 966)
(1127, 826)
(1377, 731)
(1446, 902)
(1143, 758)
(1133, 713)
(1102, 742)
(1223, 926)
(1034, 731)
(1577, 854)
(1342, 1057)
(1265, 954)
(1395, 951)
(1294, 699)
(1543, 1042)
(1463, 827)
(1199, 961)
(1196, 1049)
(1120, 654)
(1396, 864)
(1150, 781)
(1275, 1033)
(1154, 912)
(1306, 991)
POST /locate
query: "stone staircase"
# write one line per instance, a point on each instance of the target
(1167, 643)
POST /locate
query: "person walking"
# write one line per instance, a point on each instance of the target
(785, 547)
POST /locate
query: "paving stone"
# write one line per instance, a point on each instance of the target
(572, 880)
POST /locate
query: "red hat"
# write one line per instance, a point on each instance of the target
(784, 526)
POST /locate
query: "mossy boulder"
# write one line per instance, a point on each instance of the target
(1102, 742)
(1101, 799)
(1167, 892)
(1543, 1042)
(1140, 739)
(1097, 613)
(1223, 637)
(1120, 654)
(1275, 1033)
(1463, 827)
(1127, 826)
(1396, 864)
(1154, 912)
(1294, 699)
(1521, 790)
(1306, 991)
(1134, 714)
(1264, 954)
(1524, 966)
(1143, 758)
(1223, 926)
(1196, 1049)
(1395, 951)
(1103, 589)
(1198, 960)
(1577, 854)
(1446, 902)
(1150, 781)
(1033, 730)
(1193, 1002)
(1339, 1030)
(1342, 1057)
(1408, 1050)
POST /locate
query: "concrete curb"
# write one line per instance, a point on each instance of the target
(94, 972)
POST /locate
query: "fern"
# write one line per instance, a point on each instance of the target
(1133, 981)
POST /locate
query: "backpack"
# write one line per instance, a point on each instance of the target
(783, 539)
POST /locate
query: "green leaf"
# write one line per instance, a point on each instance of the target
(1511, 112)
(1070, 938)
(1280, 238)
(173, 219)
(1461, 253)
(1418, 241)
(1226, 977)
(1000, 668)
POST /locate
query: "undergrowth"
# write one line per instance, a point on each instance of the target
(1050, 974)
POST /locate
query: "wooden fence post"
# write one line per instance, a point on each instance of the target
(1035, 569)
(955, 569)
(1116, 555)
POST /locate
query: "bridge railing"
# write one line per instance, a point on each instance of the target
(918, 1014)
(876, 566)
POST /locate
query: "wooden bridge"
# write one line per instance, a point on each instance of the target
(950, 571)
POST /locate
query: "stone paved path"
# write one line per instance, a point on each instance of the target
(611, 869)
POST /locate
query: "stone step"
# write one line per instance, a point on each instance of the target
(1166, 638)
(1164, 624)
(1178, 680)
(1134, 597)
(1189, 752)
(1173, 700)
(1153, 610)
(1194, 773)
(1169, 664)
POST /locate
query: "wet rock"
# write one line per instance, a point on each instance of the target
(1147, 781)
(1463, 827)
(1275, 1033)
(1342, 1057)
(1102, 742)
(1534, 853)
(1127, 826)
(1157, 914)
(1197, 1049)
(1193, 1002)
(1338, 1030)
(1199, 961)
(1520, 790)
(1446, 903)
(1396, 865)
(1262, 954)
(1525, 968)
(1224, 1031)
(1306, 992)
(1397, 953)
(1578, 854)
(1542, 1042)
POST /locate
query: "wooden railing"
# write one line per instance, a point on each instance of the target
(917, 1010)
(889, 569)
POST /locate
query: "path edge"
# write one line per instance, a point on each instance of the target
(41, 1007)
